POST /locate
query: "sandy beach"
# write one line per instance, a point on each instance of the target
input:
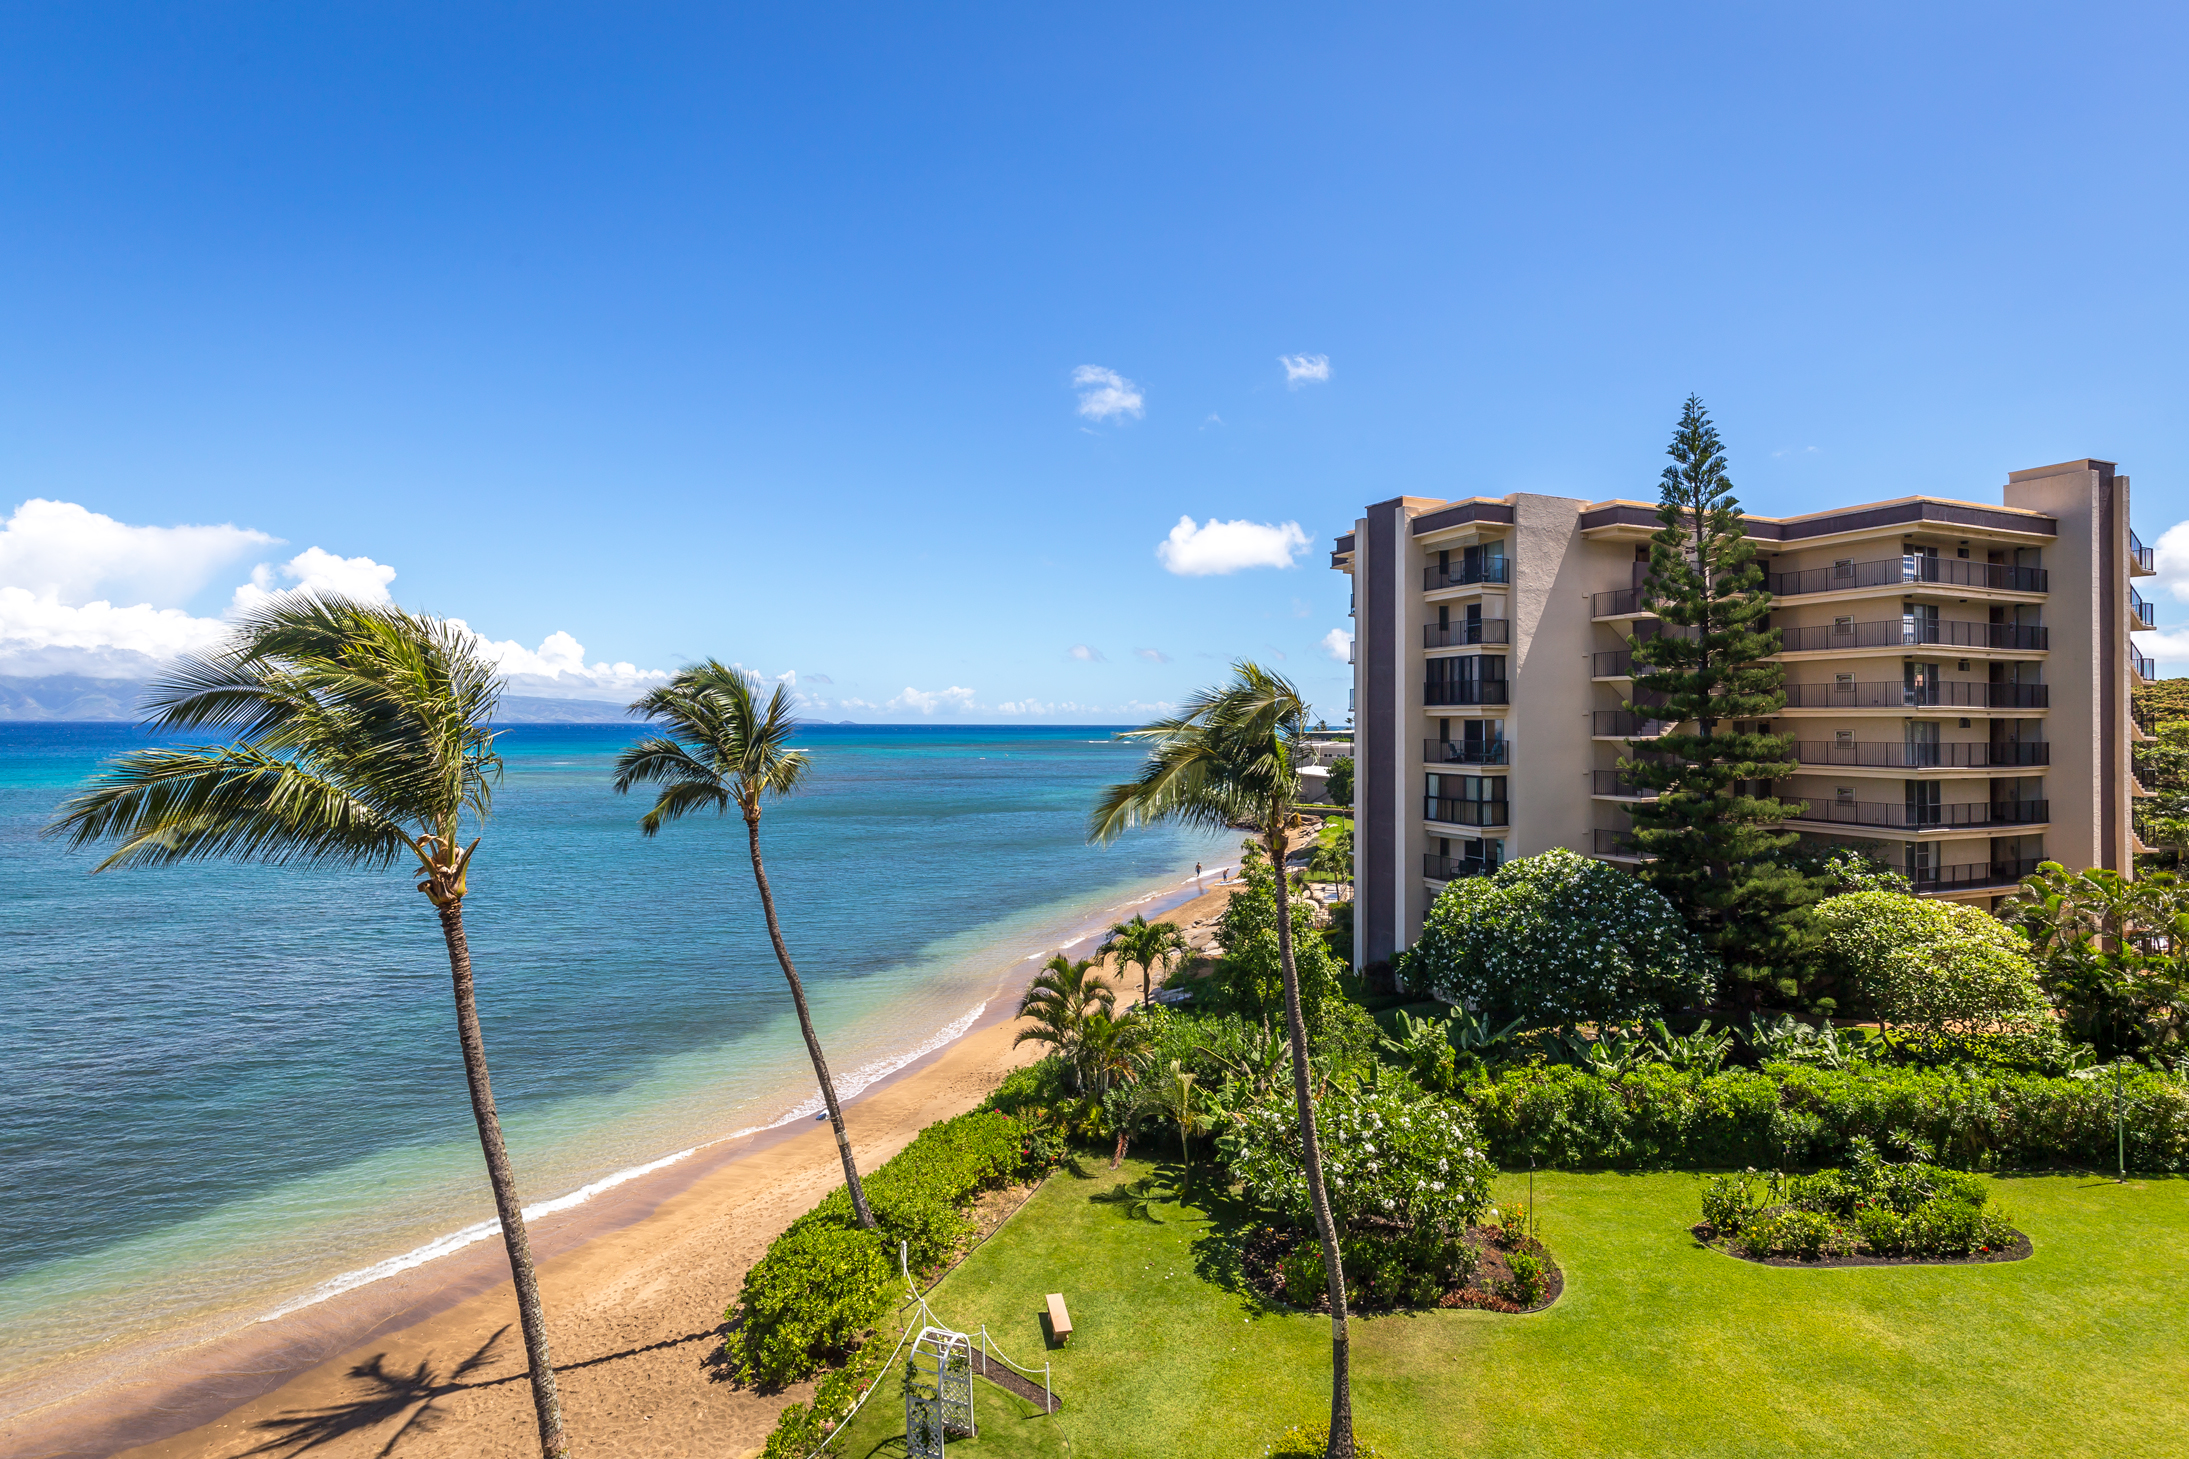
(634, 1287)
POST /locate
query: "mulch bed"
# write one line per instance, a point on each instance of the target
(1265, 1246)
(1707, 1234)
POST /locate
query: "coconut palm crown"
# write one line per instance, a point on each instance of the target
(1233, 758)
(1148, 944)
(721, 748)
(357, 735)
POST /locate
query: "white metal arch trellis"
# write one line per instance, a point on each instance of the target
(938, 1402)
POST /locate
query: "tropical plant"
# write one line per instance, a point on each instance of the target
(1392, 1161)
(1701, 1049)
(358, 736)
(1332, 859)
(723, 748)
(1710, 843)
(1250, 976)
(1174, 1095)
(1785, 1039)
(1233, 758)
(1940, 967)
(1341, 781)
(1061, 1001)
(1147, 945)
(1558, 939)
(2112, 953)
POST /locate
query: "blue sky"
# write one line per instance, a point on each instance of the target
(689, 331)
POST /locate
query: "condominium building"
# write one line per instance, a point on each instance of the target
(1957, 682)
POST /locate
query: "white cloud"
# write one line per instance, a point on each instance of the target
(316, 570)
(1338, 643)
(1224, 547)
(41, 635)
(558, 668)
(62, 551)
(2167, 645)
(1304, 369)
(928, 701)
(1153, 655)
(1105, 393)
(1088, 655)
(2170, 555)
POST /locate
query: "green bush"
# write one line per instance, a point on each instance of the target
(1387, 1161)
(1937, 966)
(1530, 1278)
(1656, 1116)
(1806, 1235)
(916, 1196)
(804, 1426)
(810, 1298)
(1728, 1202)
(1300, 1272)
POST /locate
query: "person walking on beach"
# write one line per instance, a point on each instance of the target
(1197, 876)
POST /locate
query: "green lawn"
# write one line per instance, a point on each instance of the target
(1658, 1346)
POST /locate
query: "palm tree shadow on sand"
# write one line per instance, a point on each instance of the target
(389, 1394)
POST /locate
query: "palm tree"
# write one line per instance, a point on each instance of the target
(722, 749)
(1173, 1095)
(1061, 1000)
(1232, 758)
(359, 738)
(1148, 944)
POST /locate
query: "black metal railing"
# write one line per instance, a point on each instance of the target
(1452, 868)
(1974, 874)
(1464, 691)
(1895, 755)
(1613, 843)
(1616, 603)
(1911, 631)
(1913, 568)
(2145, 559)
(1464, 752)
(1460, 574)
(1471, 631)
(1626, 724)
(1900, 816)
(1617, 663)
(1954, 693)
(2145, 719)
(2144, 666)
(1616, 782)
(1467, 812)
(2140, 606)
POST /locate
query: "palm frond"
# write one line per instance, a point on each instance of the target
(1231, 757)
(714, 718)
(679, 800)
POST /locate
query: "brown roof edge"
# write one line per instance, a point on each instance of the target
(2087, 463)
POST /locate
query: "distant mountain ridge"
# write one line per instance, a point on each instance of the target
(73, 697)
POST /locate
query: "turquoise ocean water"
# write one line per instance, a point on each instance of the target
(227, 1091)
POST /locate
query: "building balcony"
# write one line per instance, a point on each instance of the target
(1465, 691)
(1467, 812)
(1618, 785)
(1613, 845)
(1954, 694)
(1464, 752)
(1452, 868)
(1900, 816)
(1466, 634)
(1913, 632)
(1899, 755)
(2142, 562)
(1619, 603)
(1625, 724)
(2146, 668)
(1465, 574)
(2140, 612)
(1974, 874)
(1616, 663)
(1914, 568)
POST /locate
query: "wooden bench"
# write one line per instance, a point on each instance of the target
(1060, 1321)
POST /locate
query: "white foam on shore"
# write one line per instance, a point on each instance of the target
(849, 1086)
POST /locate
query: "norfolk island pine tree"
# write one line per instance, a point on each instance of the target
(1233, 758)
(359, 739)
(723, 749)
(1714, 848)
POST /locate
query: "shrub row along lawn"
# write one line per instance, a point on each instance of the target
(1658, 1346)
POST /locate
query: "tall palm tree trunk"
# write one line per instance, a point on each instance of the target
(546, 1404)
(1341, 1380)
(805, 1026)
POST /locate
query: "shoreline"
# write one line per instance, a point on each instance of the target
(215, 1396)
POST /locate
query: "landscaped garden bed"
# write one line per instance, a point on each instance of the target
(1489, 1268)
(1871, 1213)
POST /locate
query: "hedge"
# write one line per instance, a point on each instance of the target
(1792, 1115)
(824, 1282)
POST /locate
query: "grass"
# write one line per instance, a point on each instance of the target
(1658, 1346)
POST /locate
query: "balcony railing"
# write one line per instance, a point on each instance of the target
(1626, 724)
(1974, 874)
(1465, 691)
(1913, 568)
(1900, 816)
(2148, 668)
(1617, 663)
(1460, 574)
(1896, 755)
(1615, 604)
(1954, 693)
(1452, 868)
(2141, 608)
(1464, 752)
(1613, 843)
(1472, 631)
(2143, 555)
(1910, 631)
(1466, 812)
(1614, 782)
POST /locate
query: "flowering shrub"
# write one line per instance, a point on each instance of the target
(1939, 966)
(1559, 939)
(1911, 1209)
(1386, 1162)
